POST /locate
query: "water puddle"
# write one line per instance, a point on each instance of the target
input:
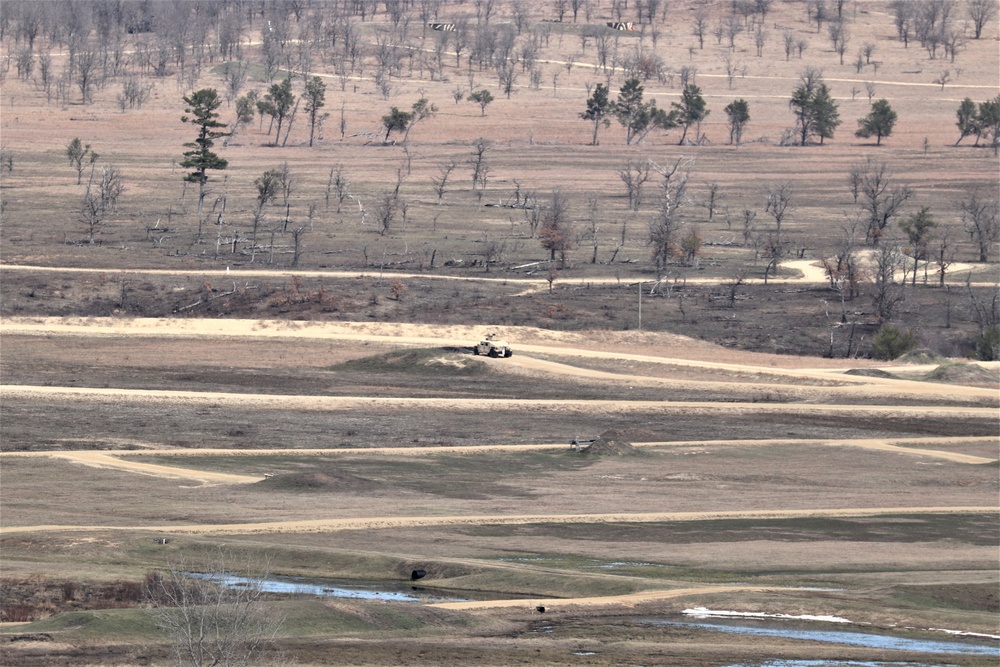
(374, 591)
(867, 640)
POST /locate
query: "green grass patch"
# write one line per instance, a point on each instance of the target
(100, 624)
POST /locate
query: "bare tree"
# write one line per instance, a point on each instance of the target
(944, 255)
(737, 278)
(773, 250)
(480, 165)
(337, 183)
(887, 292)
(593, 206)
(839, 38)
(268, 185)
(441, 181)
(760, 39)
(87, 63)
(700, 27)
(981, 12)
(214, 617)
(779, 203)
(556, 234)
(387, 207)
(880, 198)
(943, 79)
(712, 202)
(732, 67)
(788, 39)
(903, 17)
(101, 199)
(749, 225)
(843, 269)
(634, 175)
(981, 219)
(665, 226)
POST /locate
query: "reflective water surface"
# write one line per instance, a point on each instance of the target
(869, 640)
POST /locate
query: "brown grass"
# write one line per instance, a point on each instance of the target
(911, 568)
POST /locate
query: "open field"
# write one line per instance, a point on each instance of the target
(835, 500)
(303, 396)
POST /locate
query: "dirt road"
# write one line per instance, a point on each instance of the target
(810, 273)
(565, 406)
(126, 460)
(565, 344)
(628, 600)
(376, 523)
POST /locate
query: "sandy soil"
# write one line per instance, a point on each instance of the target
(335, 525)
(126, 461)
(626, 600)
(553, 343)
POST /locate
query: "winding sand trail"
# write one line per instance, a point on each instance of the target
(564, 406)
(627, 600)
(377, 523)
(568, 345)
(811, 273)
(126, 460)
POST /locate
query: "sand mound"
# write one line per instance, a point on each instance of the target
(870, 372)
(920, 355)
(965, 374)
(609, 445)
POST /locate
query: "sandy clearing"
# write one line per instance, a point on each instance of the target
(811, 274)
(103, 460)
(125, 460)
(297, 402)
(398, 334)
(855, 386)
(376, 523)
(630, 599)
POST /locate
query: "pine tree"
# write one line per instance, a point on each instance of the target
(202, 105)
(691, 109)
(599, 107)
(878, 123)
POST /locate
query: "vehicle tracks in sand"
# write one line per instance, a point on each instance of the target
(775, 379)
(379, 523)
(126, 460)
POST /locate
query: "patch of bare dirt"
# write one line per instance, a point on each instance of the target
(965, 374)
(608, 444)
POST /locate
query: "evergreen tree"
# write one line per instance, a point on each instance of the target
(482, 98)
(825, 113)
(315, 96)
(396, 120)
(918, 229)
(988, 121)
(202, 106)
(277, 104)
(815, 111)
(878, 123)
(738, 112)
(966, 119)
(599, 107)
(691, 109)
(639, 117)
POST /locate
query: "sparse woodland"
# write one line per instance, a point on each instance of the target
(707, 158)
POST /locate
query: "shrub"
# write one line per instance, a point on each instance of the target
(988, 345)
(889, 343)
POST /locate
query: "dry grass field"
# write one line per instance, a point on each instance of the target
(168, 392)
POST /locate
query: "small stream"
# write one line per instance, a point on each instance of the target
(849, 638)
(371, 591)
